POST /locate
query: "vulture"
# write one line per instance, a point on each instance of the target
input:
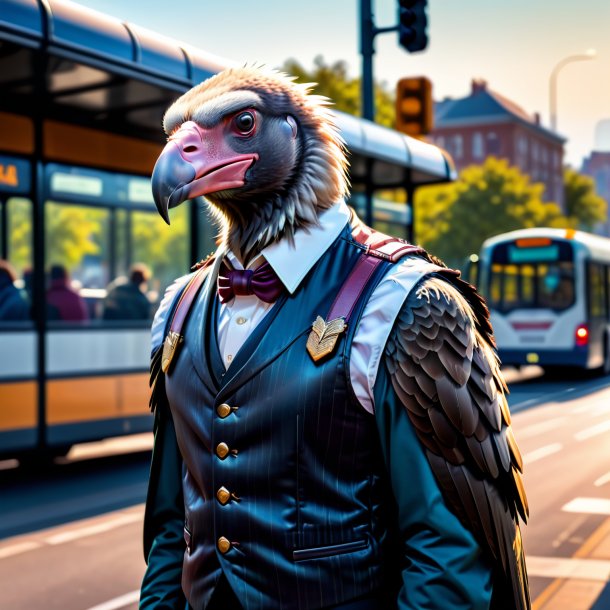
(266, 154)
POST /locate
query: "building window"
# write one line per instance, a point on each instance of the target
(477, 145)
(555, 160)
(522, 145)
(493, 143)
(458, 146)
(535, 151)
(545, 156)
(440, 141)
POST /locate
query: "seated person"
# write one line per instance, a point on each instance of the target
(12, 304)
(64, 303)
(126, 298)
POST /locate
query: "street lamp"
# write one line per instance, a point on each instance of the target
(589, 54)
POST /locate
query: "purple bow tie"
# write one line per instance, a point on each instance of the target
(262, 282)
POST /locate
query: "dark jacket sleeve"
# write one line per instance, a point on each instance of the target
(442, 565)
(164, 544)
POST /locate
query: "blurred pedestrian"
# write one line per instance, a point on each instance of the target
(63, 302)
(12, 304)
(126, 298)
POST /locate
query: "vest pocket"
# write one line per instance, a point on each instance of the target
(329, 550)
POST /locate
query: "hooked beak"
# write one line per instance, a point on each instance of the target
(195, 162)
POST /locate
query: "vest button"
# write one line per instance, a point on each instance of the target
(223, 545)
(223, 495)
(223, 410)
(222, 450)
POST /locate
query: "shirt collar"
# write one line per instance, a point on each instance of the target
(293, 261)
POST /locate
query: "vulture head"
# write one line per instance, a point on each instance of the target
(263, 150)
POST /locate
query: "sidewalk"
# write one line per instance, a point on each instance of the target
(582, 589)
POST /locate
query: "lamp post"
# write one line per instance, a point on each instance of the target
(589, 54)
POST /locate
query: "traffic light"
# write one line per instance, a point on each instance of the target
(412, 25)
(414, 106)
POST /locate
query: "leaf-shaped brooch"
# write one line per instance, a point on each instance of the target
(170, 348)
(323, 337)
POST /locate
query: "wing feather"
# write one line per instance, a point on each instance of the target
(444, 369)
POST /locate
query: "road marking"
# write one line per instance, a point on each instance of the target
(555, 590)
(92, 530)
(560, 567)
(538, 454)
(591, 506)
(566, 534)
(15, 549)
(118, 602)
(602, 480)
(593, 431)
(598, 407)
(541, 428)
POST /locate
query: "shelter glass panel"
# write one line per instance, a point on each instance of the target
(15, 261)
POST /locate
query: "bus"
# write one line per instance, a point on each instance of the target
(84, 256)
(548, 292)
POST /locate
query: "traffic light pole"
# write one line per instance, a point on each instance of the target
(368, 31)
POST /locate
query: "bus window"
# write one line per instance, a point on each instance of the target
(596, 291)
(528, 285)
(556, 285)
(164, 249)
(531, 285)
(511, 292)
(15, 260)
(77, 259)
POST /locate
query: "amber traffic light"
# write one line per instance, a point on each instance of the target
(414, 112)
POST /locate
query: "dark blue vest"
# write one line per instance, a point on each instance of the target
(280, 460)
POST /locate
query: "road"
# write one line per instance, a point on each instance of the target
(70, 537)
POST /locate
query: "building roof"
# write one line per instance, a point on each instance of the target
(484, 105)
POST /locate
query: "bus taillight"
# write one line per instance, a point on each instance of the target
(582, 335)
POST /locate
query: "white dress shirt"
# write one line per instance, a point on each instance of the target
(291, 262)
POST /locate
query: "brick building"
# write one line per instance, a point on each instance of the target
(486, 123)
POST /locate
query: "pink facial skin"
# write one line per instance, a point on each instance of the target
(197, 161)
(216, 166)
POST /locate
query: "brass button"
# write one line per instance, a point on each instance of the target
(222, 450)
(241, 320)
(223, 410)
(223, 545)
(223, 495)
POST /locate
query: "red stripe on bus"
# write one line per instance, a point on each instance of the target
(531, 325)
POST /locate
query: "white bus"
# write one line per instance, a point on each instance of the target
(548, 292)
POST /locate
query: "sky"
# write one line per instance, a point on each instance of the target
(513, 44)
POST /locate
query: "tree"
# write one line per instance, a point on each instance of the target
(584, 207)
(333, 81)
(452, 221)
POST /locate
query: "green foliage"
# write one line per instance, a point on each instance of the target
(585, 208)
(333, 81)
(453, 220)
(72, 233)
(76, 232)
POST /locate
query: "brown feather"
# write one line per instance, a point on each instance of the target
(469, 443)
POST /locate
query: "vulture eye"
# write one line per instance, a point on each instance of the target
(244, 122)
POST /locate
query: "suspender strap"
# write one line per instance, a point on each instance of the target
(179, 316)
(379, 248)
(353, 287)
